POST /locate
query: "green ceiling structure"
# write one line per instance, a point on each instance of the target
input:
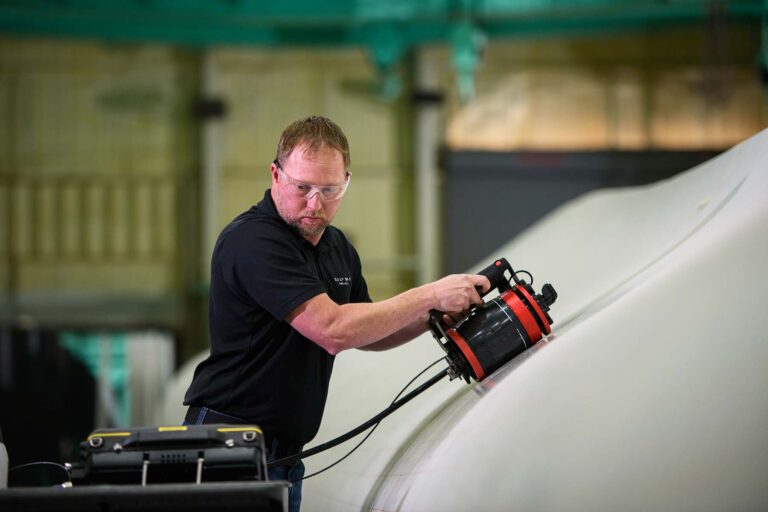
(764, 50)
(390, 28)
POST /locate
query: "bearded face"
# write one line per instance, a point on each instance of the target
(309, 215)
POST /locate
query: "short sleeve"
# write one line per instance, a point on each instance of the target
(359, 286)
(264, 265)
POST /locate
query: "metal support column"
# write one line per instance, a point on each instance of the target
(210, 159)
(426, 146)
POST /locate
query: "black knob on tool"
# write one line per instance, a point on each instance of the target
(547, 297)
(495, 274)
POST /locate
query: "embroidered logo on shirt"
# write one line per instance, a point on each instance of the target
(342, 281)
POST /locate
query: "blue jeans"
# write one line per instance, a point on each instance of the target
(292, 474)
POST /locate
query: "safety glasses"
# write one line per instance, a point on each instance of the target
(307, 190)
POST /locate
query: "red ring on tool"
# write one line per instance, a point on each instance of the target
(522, 314)
(468, 354)
(536, 308)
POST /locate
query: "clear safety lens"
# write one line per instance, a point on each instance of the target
(326, 192)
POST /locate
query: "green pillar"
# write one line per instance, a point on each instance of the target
(468, 42)
(105, 356)
(387, 44)
(764, 47)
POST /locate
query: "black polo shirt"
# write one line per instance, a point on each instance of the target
(260, 368)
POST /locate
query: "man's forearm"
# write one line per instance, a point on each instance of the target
(391, 322)
(341, 327)
(400, 337)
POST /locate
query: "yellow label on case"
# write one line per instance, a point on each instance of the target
(108, 434)
(172, 429)
(240, 429)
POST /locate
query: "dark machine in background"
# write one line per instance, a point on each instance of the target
(46, 401)
(518, 188)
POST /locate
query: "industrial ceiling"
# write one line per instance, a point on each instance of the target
(389, 28)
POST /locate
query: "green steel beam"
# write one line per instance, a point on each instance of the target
(390, 28)
(335, 22)
(764, 47)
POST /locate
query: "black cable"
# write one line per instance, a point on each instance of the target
(361, 428)
(422, 372)
(525, 272)
(350, 452)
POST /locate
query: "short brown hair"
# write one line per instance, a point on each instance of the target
(313, 133)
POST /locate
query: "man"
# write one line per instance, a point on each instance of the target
(288, 294)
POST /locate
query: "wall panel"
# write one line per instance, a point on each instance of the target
(96, 140)
(671, 89)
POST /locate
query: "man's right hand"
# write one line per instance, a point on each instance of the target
(458, 292)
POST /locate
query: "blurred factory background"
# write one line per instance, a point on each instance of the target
(132, 131)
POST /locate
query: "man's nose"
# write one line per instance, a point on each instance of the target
(314, 202)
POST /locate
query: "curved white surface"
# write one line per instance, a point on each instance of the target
(649, 395)
(3, 467)
(171, 410)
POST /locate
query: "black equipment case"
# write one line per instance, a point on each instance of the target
(173, 454)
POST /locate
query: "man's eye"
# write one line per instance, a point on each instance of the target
(304, 189)
(329, 191)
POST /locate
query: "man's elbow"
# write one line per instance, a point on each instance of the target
(333, 344)
(332, 348)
